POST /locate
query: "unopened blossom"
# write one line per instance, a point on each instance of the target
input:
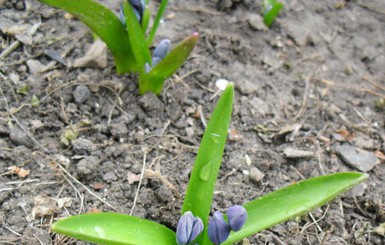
(218, 229)
(237, 216)
(189, 227)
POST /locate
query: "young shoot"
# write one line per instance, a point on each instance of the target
(195, 225)
(125, 35)
(271, 9)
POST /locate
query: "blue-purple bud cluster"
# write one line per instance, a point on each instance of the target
(138, 6)
(189, 227)
(161, 51)
(219, 230)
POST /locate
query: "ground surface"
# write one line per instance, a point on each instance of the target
(313, 82)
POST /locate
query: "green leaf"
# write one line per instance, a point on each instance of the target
(146, 19)
(105, 24)
(271, 10)
(35, 102)
(154, 80)
(292, 201)
(204, 174)
(136, 37)
(114, 228)
(23, 89)
(158, 17)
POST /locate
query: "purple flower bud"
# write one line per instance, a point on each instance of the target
(189, 227)
(218, 229)
(237, 216)
(162, 49)
(138, 7)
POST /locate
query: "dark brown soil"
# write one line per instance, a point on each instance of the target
(312, 82)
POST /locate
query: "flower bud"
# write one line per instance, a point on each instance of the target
(162, 49)
(237, 216)
(218, 229)
(138, 7)
(189, 227)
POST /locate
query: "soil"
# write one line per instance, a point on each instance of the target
(312, 82)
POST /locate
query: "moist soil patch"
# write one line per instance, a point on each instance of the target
(309, 101)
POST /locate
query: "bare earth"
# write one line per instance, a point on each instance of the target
(310, 100)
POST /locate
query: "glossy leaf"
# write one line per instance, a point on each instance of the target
(271, 10)
(154, 80)
(136, 37)
(158, 17)
(204, 174)
(292, 201)
(105, 24)
(114, 228)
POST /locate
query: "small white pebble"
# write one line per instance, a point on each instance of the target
(248, 160)
(245, 172)
(221, 83)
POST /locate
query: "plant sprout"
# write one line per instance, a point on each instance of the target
(195, 225)
(125, 36)
(270, 11)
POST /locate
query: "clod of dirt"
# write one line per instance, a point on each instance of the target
(87, 166)
(357, 158)
(152, 105)
(246, 87)
(109, 177)
(83, 146)
(81, 93)
(36, 236)
(19, 137)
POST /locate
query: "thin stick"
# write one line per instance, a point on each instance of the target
(140, 182)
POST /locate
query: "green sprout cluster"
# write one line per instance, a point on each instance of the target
(128, 41)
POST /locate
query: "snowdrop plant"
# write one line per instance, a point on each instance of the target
(195, 225)
(126, 37)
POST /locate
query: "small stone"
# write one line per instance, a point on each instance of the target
(19, 137)
(290, 152)
(357, 158)
(83, 146)
(256, 175)
(14, 78)
(189, 131)
(81, 93)
(35, 66)
(256, 22)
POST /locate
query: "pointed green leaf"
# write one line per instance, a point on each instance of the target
(204, 174)
(154, 80)
(271, 10)
(158, 17)
(105, 24)
(136, 37)
(114, 228)
(293, 200)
